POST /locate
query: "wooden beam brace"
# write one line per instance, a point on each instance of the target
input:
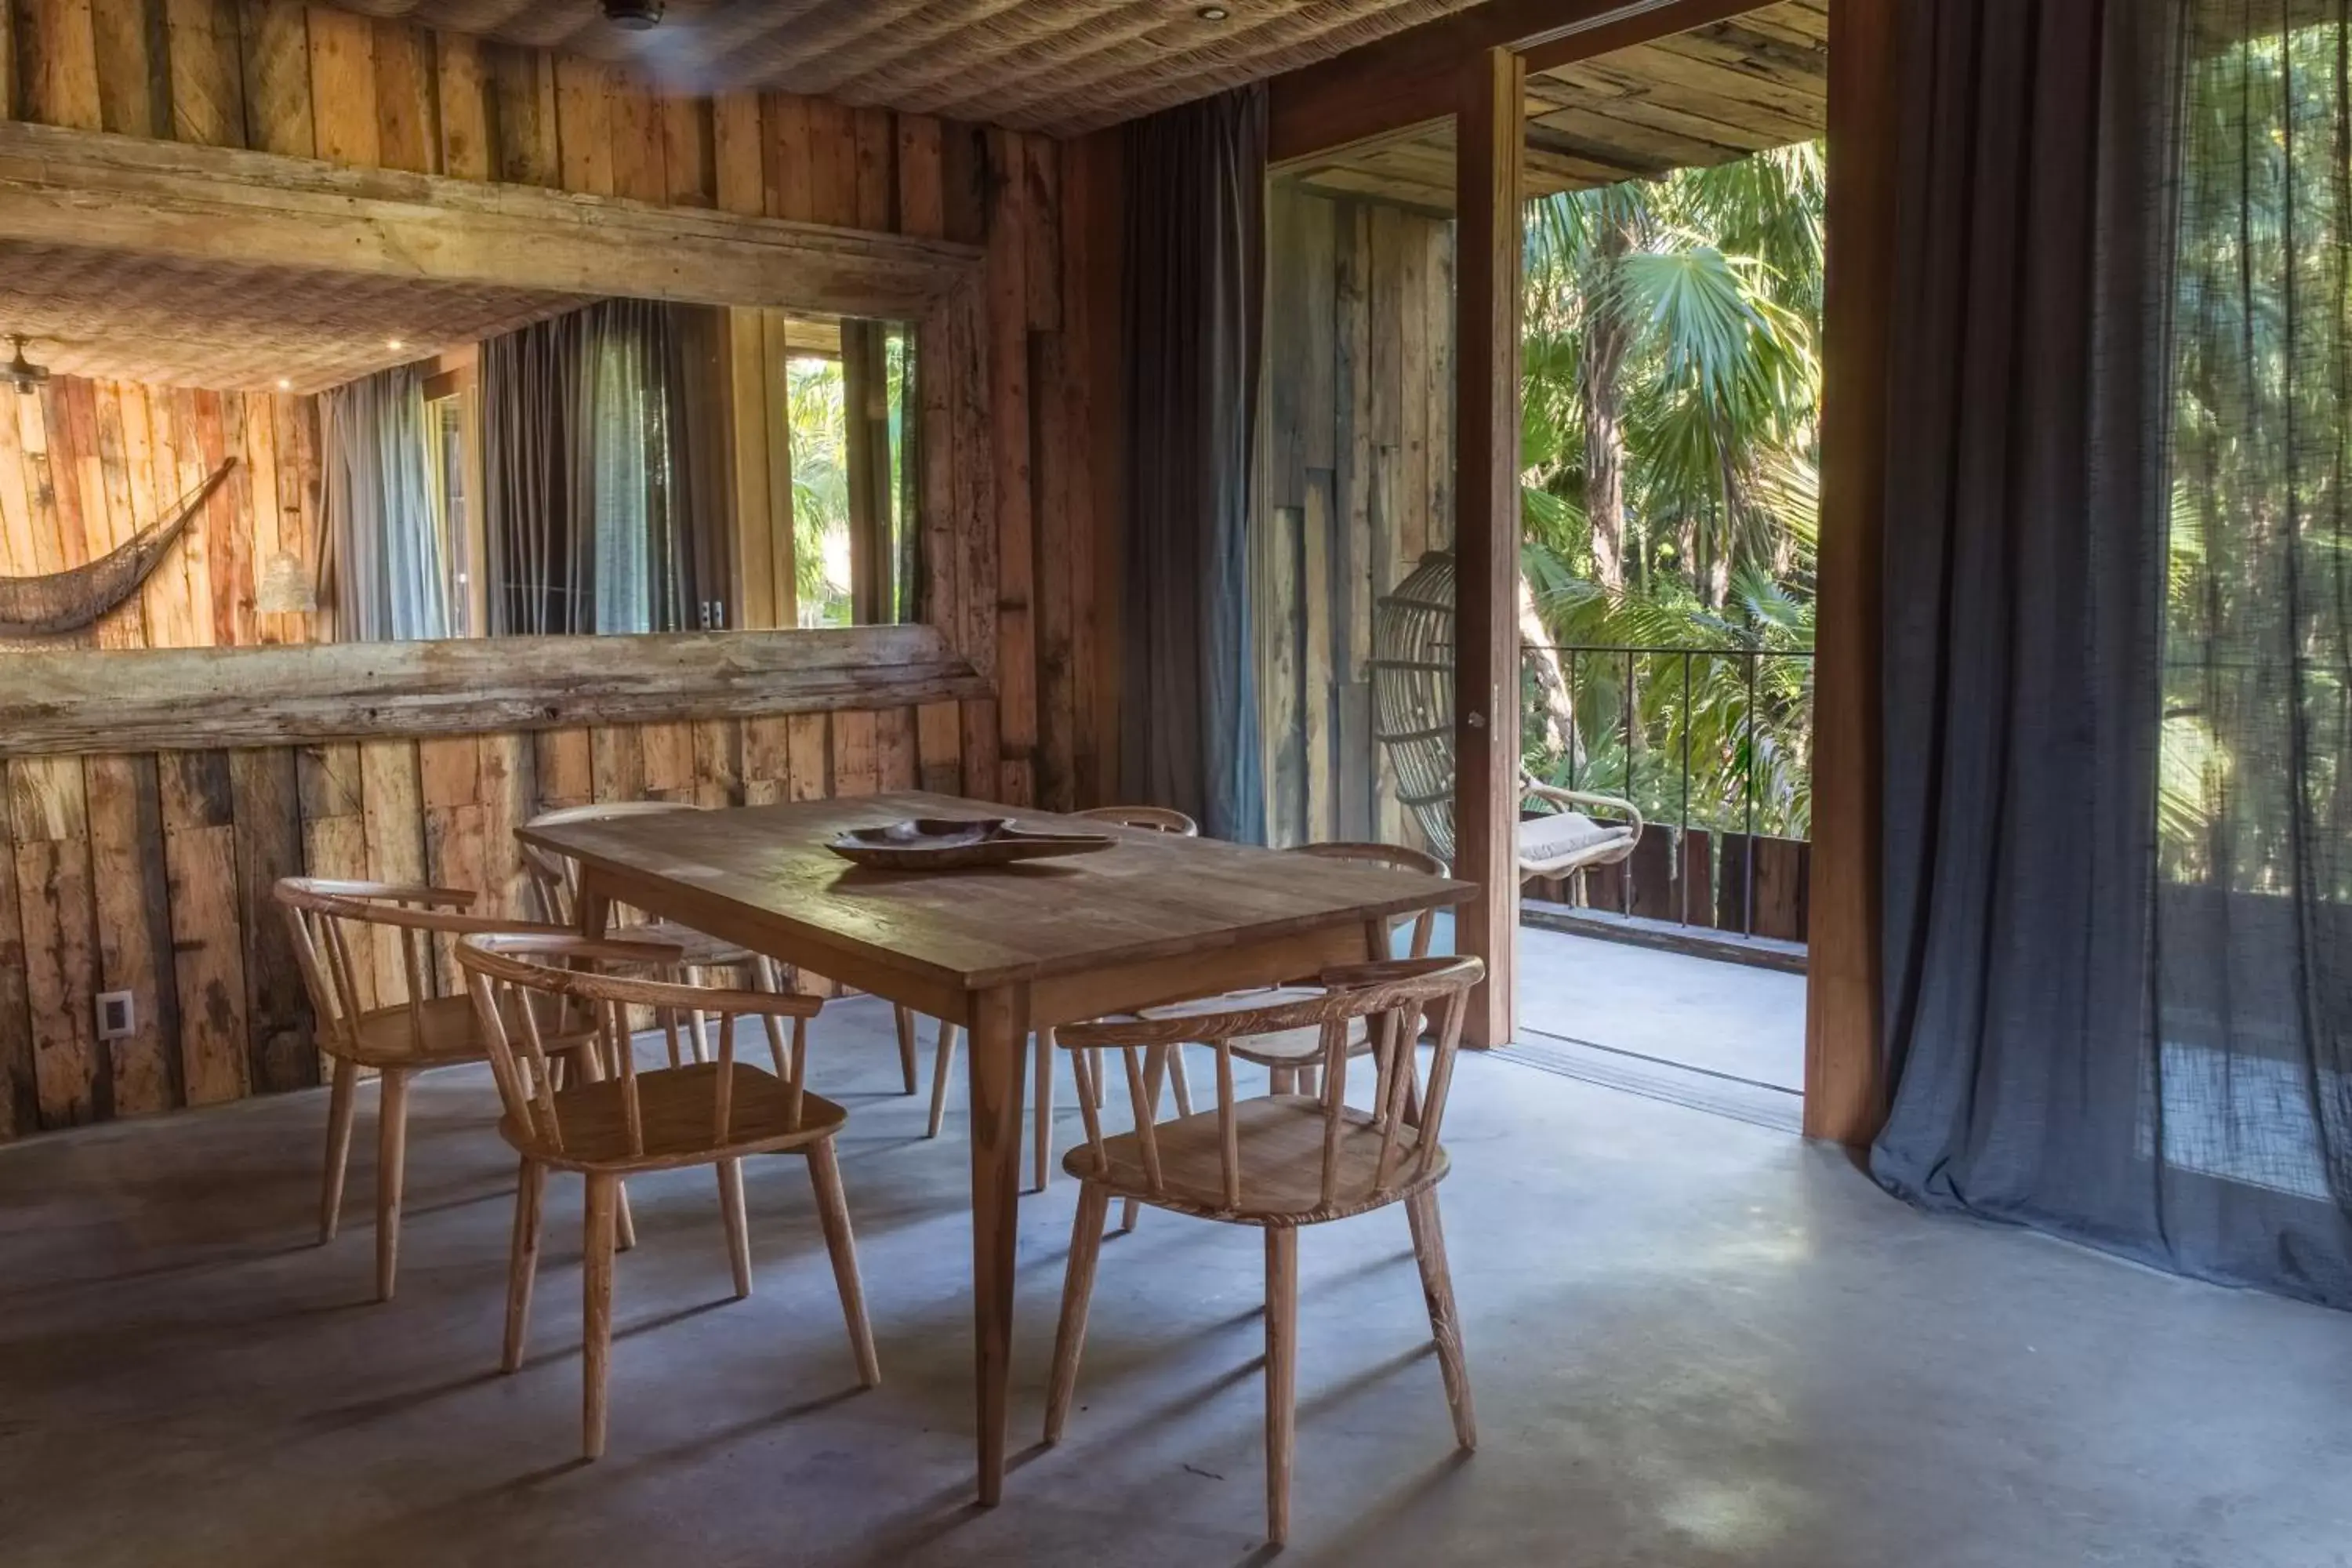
(1488, 152)
(1415, 77)
(88, 700)
(1845, 1076)
(258, 209)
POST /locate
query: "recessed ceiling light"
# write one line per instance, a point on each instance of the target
(284, 385)
(394, 344)
(1213, 12)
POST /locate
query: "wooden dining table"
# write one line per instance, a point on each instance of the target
(1003, 951)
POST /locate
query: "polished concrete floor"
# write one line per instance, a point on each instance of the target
(1692, 1341)
(1718, 1016)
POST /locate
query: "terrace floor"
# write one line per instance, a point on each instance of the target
(1705, 1031)
(1693, 1343)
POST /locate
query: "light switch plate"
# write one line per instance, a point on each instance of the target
(118, 1015)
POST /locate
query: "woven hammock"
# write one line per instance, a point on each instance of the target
(1412, 718)
(83, 595)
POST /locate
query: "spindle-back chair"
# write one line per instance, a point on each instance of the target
(336, 926)
(1281, 1163)
(1289, 1060)
(712, 1113)
(1144, 819)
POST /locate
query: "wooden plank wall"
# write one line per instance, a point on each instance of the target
(84, 465)
(153, 871)
(1355, 482)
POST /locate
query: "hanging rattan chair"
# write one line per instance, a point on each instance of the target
(1412, 706)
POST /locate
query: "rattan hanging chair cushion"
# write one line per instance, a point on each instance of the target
(1567, 835)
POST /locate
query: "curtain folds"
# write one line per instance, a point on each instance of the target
(390, 561)
(604, 496)
(1194, 298)
(2118, 783)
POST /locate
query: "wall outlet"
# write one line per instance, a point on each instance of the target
(118, 1015)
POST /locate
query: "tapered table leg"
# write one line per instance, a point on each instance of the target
(999, 1028)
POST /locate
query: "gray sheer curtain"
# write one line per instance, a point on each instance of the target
(604, 504)
(1193, 305)
(390, 564)
(2116, 767)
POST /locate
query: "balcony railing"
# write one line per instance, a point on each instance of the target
(1714, 745)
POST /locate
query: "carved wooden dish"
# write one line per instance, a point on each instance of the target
(953, 844)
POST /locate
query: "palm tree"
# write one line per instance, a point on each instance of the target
(1669, 448)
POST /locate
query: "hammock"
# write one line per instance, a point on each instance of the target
(1412, 718)
(83, 595)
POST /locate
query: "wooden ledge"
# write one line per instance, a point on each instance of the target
(85, 700)
(228, 206)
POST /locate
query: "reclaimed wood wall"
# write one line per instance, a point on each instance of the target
(1355, 482)
(152, 872)
(84, 465)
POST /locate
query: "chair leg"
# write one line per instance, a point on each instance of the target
(1281, 1374)
(1180, 1079)
(1309, 1081)
(1077, 1290)
(391, 1169)
(625, 1224)
(738, 1232)
(596, 1311)
(339, 1147)
(906, 1046)
(1444, 1323)
(1043, 1044)
(522, 1262)
(833, 1212)
(941, 1068)
(1095, 1066)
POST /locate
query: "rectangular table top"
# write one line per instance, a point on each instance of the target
(1152, 896)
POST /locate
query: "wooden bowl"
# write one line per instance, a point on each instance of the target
(956, 844)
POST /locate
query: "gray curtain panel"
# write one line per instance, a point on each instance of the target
(606, 500)
(389, 563)
(2118, 790)
(1194, 298)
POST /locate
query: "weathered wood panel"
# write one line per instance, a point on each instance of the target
(1354, 484)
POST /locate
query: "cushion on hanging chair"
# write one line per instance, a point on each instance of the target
(1565, 833)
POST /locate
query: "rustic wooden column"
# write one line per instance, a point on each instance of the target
(1844, 1094)
(1489, 135)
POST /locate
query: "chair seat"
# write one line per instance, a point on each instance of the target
(1568, 835)
(1283, 1048)
(445, 1030)
(1280, 1141)
(677, 1110)
(700, 951)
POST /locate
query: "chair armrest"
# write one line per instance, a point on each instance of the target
(1559, 797)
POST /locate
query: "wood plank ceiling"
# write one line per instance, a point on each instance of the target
(1708, 96)
(1059, 66)
(113, 315)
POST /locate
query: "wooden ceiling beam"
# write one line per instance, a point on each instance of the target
(1416, 76)
(221, 205)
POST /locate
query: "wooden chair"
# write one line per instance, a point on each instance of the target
(555, 889)
(699, 1113)
(1145, 818)
(1289, 1060)
(336, 926)
(1281, 1163)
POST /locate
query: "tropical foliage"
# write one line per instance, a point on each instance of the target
(1669, 450)
(2256, 774)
